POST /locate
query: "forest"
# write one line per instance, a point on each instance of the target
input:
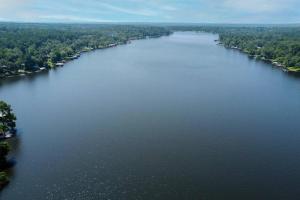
(279, 45)
(27, 48)
(7, 127)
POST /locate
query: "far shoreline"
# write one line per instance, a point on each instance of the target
(274, 63)
(77, 55)
(61, 63)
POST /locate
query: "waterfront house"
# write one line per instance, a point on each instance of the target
(59, 64)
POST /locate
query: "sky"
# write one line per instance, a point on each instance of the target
(170, 11)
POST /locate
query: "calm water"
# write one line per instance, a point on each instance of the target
(171, 118)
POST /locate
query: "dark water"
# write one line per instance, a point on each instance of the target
(171, 118)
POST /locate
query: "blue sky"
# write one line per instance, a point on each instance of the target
(189, 11)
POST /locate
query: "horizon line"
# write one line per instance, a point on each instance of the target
(137, 22)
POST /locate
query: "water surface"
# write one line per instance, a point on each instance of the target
(171, 118)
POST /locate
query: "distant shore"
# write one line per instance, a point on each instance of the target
(258, 57)
(61, 63)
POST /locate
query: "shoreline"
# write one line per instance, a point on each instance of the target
(291, 70)
(21, 73)
(61, 63)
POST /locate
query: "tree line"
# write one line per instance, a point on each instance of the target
(7, 125)
(30, 47)
(25, 48)
(277, 44)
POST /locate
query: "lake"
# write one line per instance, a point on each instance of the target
(177, 117)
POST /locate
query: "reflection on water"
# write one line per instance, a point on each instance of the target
(28, 78)
(177, 117)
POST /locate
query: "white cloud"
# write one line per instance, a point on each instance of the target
(6, 5)
(143, 12)
(258, 5)
(70, 18)
(168, 8)
(256, 11)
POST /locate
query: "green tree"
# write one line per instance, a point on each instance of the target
(7, 117)
(7, 122)
(3, 179)
(4, 149)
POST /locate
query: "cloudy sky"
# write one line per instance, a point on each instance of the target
(193, 11)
